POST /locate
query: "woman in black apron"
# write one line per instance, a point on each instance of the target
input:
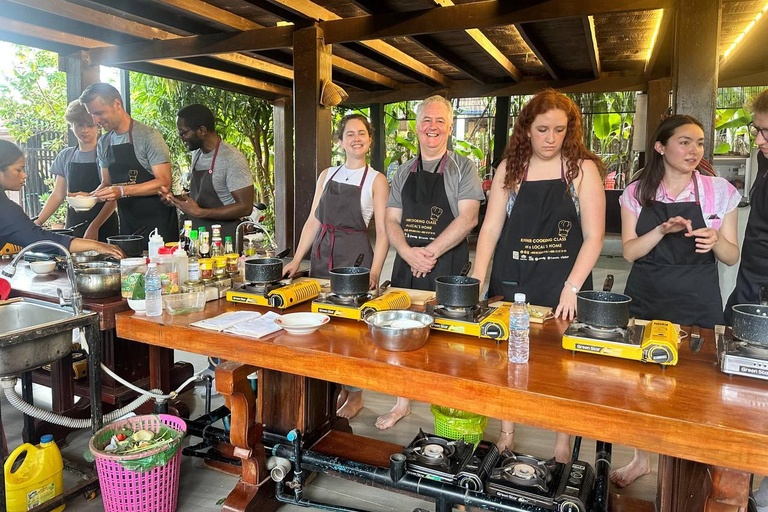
(337, 230)
(136, 212)
(675, 252)
(545, 220)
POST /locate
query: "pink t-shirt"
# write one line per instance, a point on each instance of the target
(717, 198)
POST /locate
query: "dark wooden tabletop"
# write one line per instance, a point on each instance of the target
(691, 411)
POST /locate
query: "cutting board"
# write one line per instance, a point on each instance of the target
(546, 313)
(418, 297)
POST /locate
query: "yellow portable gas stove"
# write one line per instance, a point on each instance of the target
(8, 250)
(480, 320)
(357, 307)
(651, 342)
(276, 295)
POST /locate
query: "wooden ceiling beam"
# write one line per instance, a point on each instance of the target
(538, 48)
(485, 14)
(47, 34)
(594, 54)
(658, 41)
(225, 76)
(317, 12)
(454, 59)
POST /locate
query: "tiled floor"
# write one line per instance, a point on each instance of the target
(201, 489)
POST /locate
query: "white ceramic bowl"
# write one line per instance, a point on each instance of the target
(302, 323)
(42, 267)
(81, 203)
(139, 306)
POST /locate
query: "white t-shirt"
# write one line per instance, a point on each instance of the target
(353, 177)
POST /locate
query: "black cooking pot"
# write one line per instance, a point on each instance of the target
(457, 291)
(350, 280)
(263, 270)
(132, 245)
(750, 323)
(607, 310)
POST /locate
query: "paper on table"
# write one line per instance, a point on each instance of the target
(226, 320)
(258, 327)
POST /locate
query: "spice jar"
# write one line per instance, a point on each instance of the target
(219, 266)
(206, 269)
(192, 287)
(233, 261)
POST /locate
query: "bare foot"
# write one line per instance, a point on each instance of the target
(343, 394)
(563, 448)
(401, 409)
(506, 440)
(639, 466)
(352, 406)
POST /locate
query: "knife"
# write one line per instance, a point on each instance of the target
(696, 341)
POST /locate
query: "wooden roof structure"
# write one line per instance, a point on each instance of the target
(388, 50)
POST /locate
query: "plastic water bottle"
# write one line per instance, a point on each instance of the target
(519, 324)
(152, 289)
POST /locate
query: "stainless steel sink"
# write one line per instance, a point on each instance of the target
(26, 338)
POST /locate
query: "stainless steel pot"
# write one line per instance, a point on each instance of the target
(97, 283)
(457, 291)
(607, 310)
(750, 323)
(263, 270)
(350, 280)
(85, 257)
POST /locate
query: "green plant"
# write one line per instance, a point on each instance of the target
(731, 123)
(59, 217)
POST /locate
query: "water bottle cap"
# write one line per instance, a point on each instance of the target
(47, 438)
(519, 297)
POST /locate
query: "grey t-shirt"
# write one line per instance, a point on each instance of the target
(60, 165)
(231, 170)
(461, 180)
(149, 146)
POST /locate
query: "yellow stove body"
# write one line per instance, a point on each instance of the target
(283, 297)
(9, 249)
(395, 299)
(657, 345)
(495, 325)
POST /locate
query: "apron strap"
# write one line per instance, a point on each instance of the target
(418, 165)
(562, 171)
(213, 160)
(334, 173)
(362, 180)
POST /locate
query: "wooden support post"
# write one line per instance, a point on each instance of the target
(312, 65)
(658, 105)
(125, 89)
(501, 126)
(379, 150)
(80, 74)
(695, 63)
(285, 234)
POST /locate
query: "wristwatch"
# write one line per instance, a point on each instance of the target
(574, 289)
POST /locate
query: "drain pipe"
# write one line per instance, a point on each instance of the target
(602, 476)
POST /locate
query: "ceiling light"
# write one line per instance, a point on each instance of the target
(744, 33)
(655, 35)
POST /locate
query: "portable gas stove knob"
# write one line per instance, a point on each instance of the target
(493, 331)
(569, 507)
(660, 354)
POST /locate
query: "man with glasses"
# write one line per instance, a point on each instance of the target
(135, 164)
(753, 270)
(221, 187)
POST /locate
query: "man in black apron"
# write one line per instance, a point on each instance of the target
(433, 205)
(221, 186)
(753, 270)
(135, 163)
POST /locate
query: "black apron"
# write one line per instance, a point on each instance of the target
(136, 212)
(343, 234)
(538, 244)
(85, 177)
(426, 214)
(673, 282)
(753, 269)
(202, 192)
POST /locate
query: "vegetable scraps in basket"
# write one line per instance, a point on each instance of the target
(126, 441)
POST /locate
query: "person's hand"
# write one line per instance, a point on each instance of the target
(566, 309)
(291, 268)
(108, 193)
(676, 225)
(420, 260)
(373, 283)
(706, 238)
(187, 205)
(110, 250)
(92, 233)
(166, 196)
(37, 222)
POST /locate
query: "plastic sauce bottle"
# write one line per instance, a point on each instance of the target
(155, 243)
(152, 288)
(38, 478)
(518, 346)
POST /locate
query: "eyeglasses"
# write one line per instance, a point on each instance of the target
(183, 133)
(754, 130)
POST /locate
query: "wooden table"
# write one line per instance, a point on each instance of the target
(690, 411)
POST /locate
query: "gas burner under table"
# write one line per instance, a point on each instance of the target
(436, 457)
(467, 314)
(260, 288)
(738, 357)
(546, 484)
(627, 335)
(346, 300)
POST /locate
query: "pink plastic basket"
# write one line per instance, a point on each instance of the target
(123, 490)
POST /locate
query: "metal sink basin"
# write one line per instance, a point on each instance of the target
(28, 337)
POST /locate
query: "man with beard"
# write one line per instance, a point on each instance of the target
(221, 187)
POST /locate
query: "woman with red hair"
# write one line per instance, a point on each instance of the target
(545, 221)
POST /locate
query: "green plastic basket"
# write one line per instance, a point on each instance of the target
(456, 424)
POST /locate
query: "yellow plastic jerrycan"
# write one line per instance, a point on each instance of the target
(38, 478)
